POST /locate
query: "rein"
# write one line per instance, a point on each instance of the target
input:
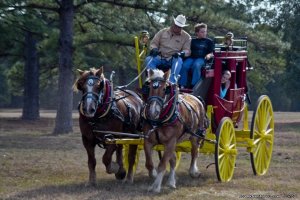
(136, 78)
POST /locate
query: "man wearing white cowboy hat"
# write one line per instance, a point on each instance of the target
(168, 47)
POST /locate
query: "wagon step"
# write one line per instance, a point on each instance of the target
(139, 135)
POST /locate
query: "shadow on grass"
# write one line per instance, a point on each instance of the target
(42, 142)
(110, 189)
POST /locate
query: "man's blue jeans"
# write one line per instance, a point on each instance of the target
(191, 63)
(176, 64)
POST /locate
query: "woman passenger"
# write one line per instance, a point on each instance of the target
(225, 83)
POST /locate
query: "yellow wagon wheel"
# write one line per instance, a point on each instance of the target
(262, 134)
(225, 150)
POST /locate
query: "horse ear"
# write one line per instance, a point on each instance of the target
(167, 75)
(80, 71)
(99, 71)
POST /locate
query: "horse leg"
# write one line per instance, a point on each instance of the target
(111, 167)
(131, 162)
(149, 162)
(172, 178)
(90, 149)
(193, 171)
(120, 175)
(161, 169)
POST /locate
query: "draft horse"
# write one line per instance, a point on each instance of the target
(170, 117)
(102, 108)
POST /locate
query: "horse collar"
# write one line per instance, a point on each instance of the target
(106, 104)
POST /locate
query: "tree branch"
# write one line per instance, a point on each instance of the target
(38, 6)
(155, 8)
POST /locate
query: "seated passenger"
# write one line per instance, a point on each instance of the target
(168, 47)
(201, 50)
(225, 83)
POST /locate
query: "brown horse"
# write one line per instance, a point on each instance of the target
(170, 117)
(102, 108)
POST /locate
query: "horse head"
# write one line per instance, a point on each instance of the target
(91, 83)
(159, 89)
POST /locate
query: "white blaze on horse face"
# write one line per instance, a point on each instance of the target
(90, 103)
(155, 110)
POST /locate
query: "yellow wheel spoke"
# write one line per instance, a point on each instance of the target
(268, 122)
(232, 146)
(221, 162)
(257, 141)
(232, 162)
(269, 131)
(221, 156)
(231, 138)
(221, 149)
(269, 140)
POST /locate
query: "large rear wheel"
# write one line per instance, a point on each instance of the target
(225, 150)
(262, 134)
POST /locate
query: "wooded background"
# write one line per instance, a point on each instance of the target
(43, 42)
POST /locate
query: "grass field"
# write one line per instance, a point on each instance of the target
(37, 165)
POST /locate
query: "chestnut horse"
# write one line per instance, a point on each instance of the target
(170, 117)
(102, 108)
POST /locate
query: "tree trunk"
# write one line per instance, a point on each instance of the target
(63, 121)
(31, 80)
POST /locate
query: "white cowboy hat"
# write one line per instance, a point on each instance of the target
(180, 21)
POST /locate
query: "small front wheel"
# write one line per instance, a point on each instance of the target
(225, 150)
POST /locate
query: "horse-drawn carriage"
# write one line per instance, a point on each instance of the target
(228, 117)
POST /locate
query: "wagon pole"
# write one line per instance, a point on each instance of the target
(121, 134)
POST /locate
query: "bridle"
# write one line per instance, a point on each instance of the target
(168, 107)
(93, 95)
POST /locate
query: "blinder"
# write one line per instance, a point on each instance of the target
(155, 85)
(91, 81)
(146, 88)
(168, 90)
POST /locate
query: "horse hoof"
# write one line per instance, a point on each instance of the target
(154, 189)
(153, 174)
(113, 168)
(171, 183)
(195, 174)
(173, 186)
(90, 184)
(120, 175)
(128, 181)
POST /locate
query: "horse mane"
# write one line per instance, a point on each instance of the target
(156, 73)
(74, 87)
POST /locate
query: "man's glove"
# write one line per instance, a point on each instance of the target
(176, 55)
(154, 52)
